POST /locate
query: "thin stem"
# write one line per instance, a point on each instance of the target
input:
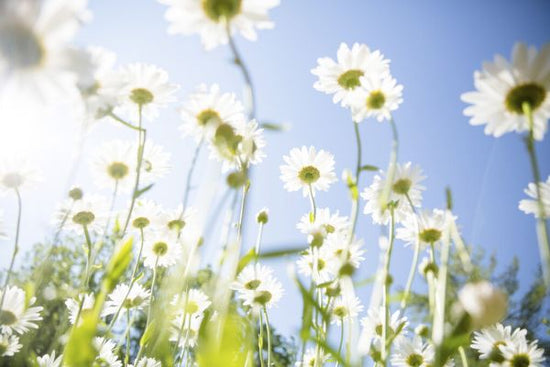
(341, 340)
(258, 243)
(441, 292)
(355, 203)
(129, 322)
(261, 341)
(89, 249)
(414, 263)
(15, 246)
(313, 205)
(386, 285)
(111, 209)
(463, 357)
(431, 281)
(152, 296)
(189, 177)
(125, 123)
(268, 331)
(384, 199)
(241, 213)
(542, 230)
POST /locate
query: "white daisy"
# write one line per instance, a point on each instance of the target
(372, 330)
(344, 250)
(406, 182)
(488, 341)
(257, 287)
(114, 163)
(177, 220)
(251, 147)
(522, 353)
(208, 108)
(412, 352)
(147, 362)
(532, 206)
(427, 228)
(251, 277)
(136, 299)
(162, 249)
(209, 17)
(73, 305)
(306, 168)
(345, 308)
(342, 77)
(89, 212)
(156, 162)
(107, 355)
(16, 313)
(484, 303)
(318, 263)
(193, 303)
(377, 97)
(312, 358)
(189, 334)
(36, 61)
(17, 174)
(324, 224)
(49, 360)
(502, 87)
(145, 213)
(9, 345)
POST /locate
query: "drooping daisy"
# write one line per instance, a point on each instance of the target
(372, 330)
(318, 263)
(308, 169)
(208, 108)
(325, 223)
(209, 18)
(17, 174)
(406, 183)
(49, 360)
(503, 87)
(16, 313)
(312, 358)
(36, 61)
(342, 77)
(73, 305)
(412, 352)
(532, 206)
(9, 345)
(343, 249)
(257, 287)
(162, 249)
(345, 308)
(484, 303)
(107, 355)
(377, 97)
(145, 213)
(145, 87)
(90, 212)
(522, 353)
(427, 228)
(156, 162)
(114, 164)
(136, 299)
(488, 341)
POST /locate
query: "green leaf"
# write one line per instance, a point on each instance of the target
(368, 167)
(142, 191)
(274, 126)
(281, 253)
(246, 259)
(118, 264)
(80, 351)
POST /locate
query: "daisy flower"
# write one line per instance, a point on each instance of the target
(522, 353)
(405, 185)
(377, 98)
(136, 299)
(176, 220)
(114, 164)
(344, 250)
(325, 223)
(9, 345)
(484, 303)
(147, 362)
(427, 228)
(372, 325)
(162, 249)
(210, 18)
(49, 360)
(312, 359)
(412, 352)
(342, 77)
(17, 174)
(192, 304)
(36, 61)
(318, 263)
(345, 308)
(107, 355)
(90, 212)
(208, 108)
(503, 87)
(145, 213)
(308, 169)
(488, 341)
(529, 206)
(156, 162)
(16, 312)
(257, 287)
(73, 305)
(189, 334)
(251, 277)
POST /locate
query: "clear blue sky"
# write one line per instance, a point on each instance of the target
(434, 46)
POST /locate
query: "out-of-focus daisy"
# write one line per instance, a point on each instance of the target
(532, 206)
(162, 249)
(488, 341)
(306, 168)
(406, 182)
(251, 147)
(325, 223)
(36, 61)
(73, 305)
(50, 360)
(156, 162)
(137, 299)
(251, 277)
(312, 358)
(9, 345)
(188, 335)
(258, 288)
(318, 263)
(16, 312)
(147, 362)
(107, 355)
(427, 228)
(377, 97)
(522, 353)
(412, 352)
(114, 163)
(89, 212)
(342, 77)
(143, 85)
(209, 18)
(176, 220)
(344, 250)
(144, 214)
(193, 303)
(502, 88)
(345, 308)
(17, 174)
(373, 325)
(484, 303)
(208, 108)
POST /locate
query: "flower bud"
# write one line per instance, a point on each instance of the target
(263, 216)
(76, 193)
(484, 303)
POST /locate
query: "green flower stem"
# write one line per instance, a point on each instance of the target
(132, 281)
(15, 246)
(313, 213)
(386, 286)
(463, 357)
(441, 292)
(431, 281)
(542, 230)
(258, 243)
(341, 342)
(129, 322)
(261, 342)
(190, 177)
(241, 215)
(89, 249)
(152, 296)
(414, 264)
(268, 331)
(384, 199)
(355, 203)
(111, 209)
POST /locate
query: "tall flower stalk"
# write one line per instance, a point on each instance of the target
(15, 246)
